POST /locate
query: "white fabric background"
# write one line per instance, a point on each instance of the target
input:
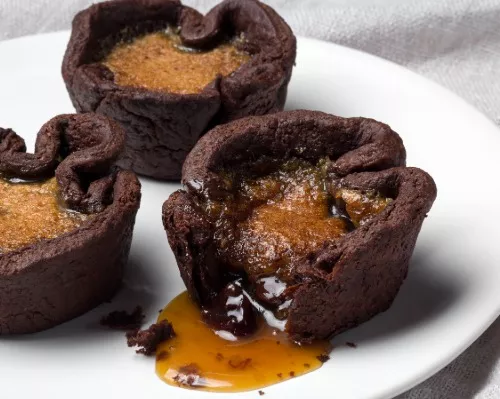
(455, 42)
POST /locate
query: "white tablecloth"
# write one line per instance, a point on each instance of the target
(455, 42)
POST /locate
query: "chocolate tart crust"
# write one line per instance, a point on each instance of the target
(52, 281)
(350, 279)
(163, 127)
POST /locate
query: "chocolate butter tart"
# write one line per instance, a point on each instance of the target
(313, 215)
(66, 221)
(168, 74)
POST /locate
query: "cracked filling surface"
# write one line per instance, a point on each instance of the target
(159, 61)
(31, 212)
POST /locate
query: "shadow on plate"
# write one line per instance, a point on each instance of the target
(138, 289)
(424, 295)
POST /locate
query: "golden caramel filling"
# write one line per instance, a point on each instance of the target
(294, 219)
(158, 61)
(30, 212)
(361, 206)
(289, 213)
(198, 357)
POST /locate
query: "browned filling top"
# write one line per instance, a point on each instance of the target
(274, 219)
(271, 221)
(159, 61)
(30, 212)
(291, 218)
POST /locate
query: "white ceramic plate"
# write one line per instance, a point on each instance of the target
(450, 296)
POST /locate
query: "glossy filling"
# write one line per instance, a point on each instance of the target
(159, 61)
(31, 212)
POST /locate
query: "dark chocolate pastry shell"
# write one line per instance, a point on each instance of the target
(163, 127)
(349, 280)
(51, 281)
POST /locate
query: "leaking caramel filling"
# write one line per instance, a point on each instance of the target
(159, 61)
(199, 357)
(238, 341)
(30, 212)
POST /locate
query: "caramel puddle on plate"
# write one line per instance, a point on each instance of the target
(197, 358)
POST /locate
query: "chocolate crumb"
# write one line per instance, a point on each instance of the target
(323, 358)
(351, 344)
(149, 339)
(161, 310)
(261, 393)
(162, 355)
(278, 342)
(241, 365)
(307, 365)
(279, 375)
(219, 356)
(122, 320)
(188, 375)
(292, 374)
